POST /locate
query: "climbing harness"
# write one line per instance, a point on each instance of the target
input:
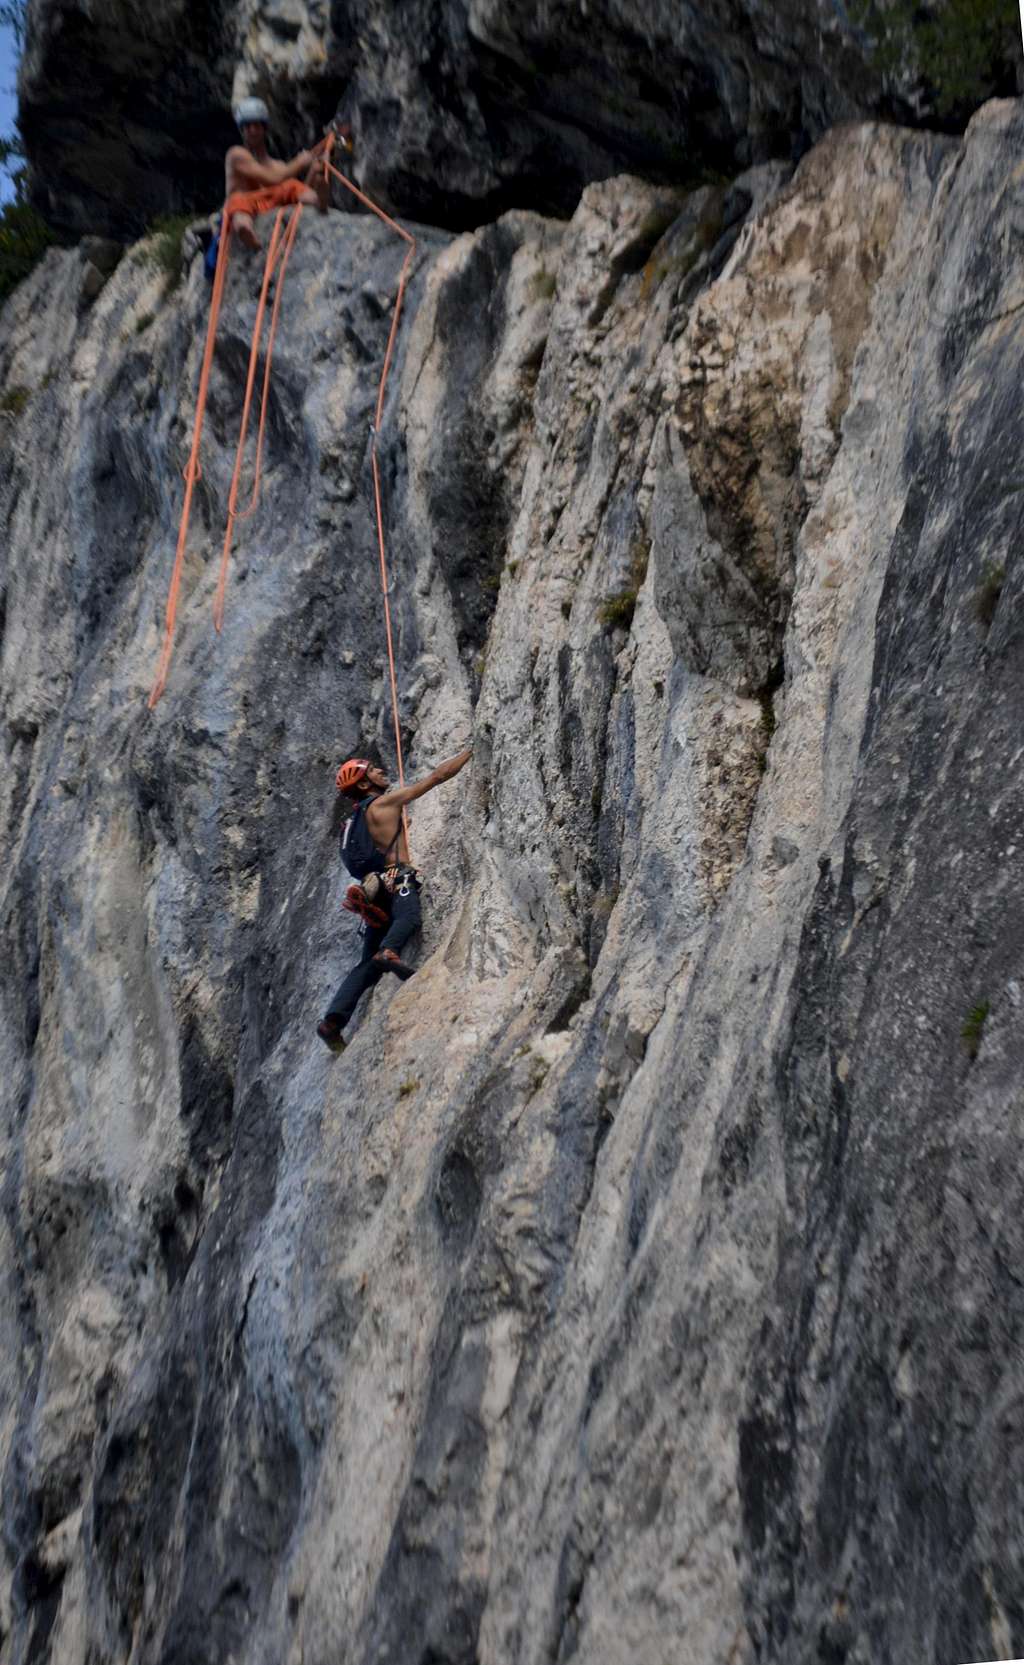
(402, 879)
(277, 198)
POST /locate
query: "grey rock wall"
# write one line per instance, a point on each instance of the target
(643, 1283)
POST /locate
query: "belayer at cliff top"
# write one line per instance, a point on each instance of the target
(375, 849)
(254, 183)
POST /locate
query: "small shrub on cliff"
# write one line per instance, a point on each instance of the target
(24, 239)
(959, 47)
(165, 243)
(543, 285)
(14, 401)
(12, 16)
(616, 610)
(973, 1027)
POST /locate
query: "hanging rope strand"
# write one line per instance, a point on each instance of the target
(375, 462)
(279, 254)
(192, 470)
(289, 243)
(236, 474)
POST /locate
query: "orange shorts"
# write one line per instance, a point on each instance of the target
(263, 200)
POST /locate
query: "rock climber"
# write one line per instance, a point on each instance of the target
(375, 849)
(255, 183)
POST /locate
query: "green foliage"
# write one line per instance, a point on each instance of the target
(11, 150)
(539, 1070)
(616, 610)
(409, 1087)
(143, 323)
(12, 16)
(164, 240)
(13, 402)
(958, 47)
(543, 285)
(973, 1026)
(986, 596)
(24, 239)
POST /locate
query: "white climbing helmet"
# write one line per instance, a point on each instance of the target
(251, 109)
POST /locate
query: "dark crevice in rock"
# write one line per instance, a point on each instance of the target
(207, 1095)
(576, 996)
(199, 1406)
(423, 1590)
(458, 1197)
(573, 1570)
(41, 1593)
(468, 491)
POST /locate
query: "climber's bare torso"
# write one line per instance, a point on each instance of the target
(384, 821)
(384, 812)
(248, 167)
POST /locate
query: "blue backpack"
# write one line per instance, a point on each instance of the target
(358, 851)
(210, 257)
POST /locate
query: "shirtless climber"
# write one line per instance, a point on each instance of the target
(375, 850)
(251, 173)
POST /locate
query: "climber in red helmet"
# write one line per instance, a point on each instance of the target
(386, 886)
(255, 183)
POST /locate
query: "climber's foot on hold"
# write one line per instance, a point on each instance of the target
(329, 1030)
(388, 960)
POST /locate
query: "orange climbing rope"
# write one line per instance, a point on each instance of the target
(278, 254)
(403, 279)
(240, 202)
(285, 252)
(192, 469)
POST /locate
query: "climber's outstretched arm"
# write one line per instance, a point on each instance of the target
(402, 795)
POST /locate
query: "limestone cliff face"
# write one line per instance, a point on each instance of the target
(644, 1283)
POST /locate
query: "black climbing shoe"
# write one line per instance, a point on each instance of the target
(329, 1030)
(388, 960)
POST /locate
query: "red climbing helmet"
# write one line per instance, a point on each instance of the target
(351, 773)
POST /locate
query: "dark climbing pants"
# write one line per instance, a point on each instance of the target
(405, 919)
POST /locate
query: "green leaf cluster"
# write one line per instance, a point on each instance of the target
(24, 239)
(164, 249)
(959, 47)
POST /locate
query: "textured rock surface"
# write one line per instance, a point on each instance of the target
(461, 108)
(644, 1283)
